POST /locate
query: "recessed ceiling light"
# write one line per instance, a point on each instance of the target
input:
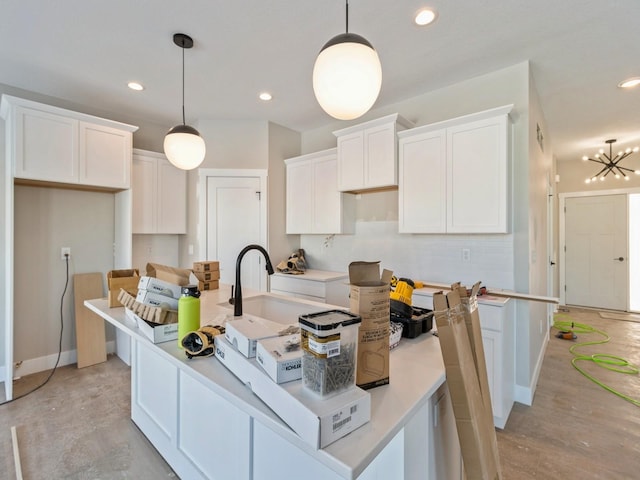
(425, 16)
(135, 86)
(629, 82)
(266, 96)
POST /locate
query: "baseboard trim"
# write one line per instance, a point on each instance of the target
(47, 362)
(524, 394)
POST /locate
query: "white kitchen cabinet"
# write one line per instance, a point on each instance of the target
(368, 154)
(200, 434)
(159, 195)
(498, 337)
(317, 285)
(314, 204)
(274, 457)
(444, 452)
(454, 175)
(53, 145)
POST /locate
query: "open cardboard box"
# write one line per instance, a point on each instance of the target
(369, 298)
(121, 279)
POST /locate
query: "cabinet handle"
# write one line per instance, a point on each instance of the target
(620, 259)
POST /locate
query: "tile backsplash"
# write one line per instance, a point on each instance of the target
(433, 258)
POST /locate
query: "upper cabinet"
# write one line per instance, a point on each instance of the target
(368, 154)
(159, 192)
(314, 204)
(53, 145)
(454, 175)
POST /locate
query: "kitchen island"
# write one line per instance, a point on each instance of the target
(208, 424)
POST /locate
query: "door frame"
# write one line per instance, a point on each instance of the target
(201, 193)
(562, 233)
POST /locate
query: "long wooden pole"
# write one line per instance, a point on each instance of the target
(502, 293)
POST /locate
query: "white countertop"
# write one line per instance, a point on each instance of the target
(416, 372)
(317, 275)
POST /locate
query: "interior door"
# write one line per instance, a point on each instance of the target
(596, 258)
(234, 221)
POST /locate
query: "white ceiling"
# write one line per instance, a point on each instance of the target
(85, 51)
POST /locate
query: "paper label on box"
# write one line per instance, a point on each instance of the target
(325, 347)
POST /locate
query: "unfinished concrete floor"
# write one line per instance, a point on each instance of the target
(78, 425)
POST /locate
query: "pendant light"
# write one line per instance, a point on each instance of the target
(347, 75)
(183, 145)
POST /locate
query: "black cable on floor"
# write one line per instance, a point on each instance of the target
(66, 284)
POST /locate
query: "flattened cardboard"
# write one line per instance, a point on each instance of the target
(178, 276)
(474, 429)
(472, 322)
(369, 298)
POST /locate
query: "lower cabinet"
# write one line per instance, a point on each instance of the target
(318, 287)
(274, 457)
(200, 434)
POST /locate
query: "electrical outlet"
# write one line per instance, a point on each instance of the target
(466, 255)
(64, 252)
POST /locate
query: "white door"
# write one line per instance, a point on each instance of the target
(234, 220)
(596, 251)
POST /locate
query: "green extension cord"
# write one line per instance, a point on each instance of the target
(564, 323)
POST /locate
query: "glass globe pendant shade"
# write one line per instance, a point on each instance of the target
(184, 147)
(347, 76)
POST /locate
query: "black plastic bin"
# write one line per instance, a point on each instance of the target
(420, 322)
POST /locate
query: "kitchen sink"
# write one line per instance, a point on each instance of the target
(276, 308)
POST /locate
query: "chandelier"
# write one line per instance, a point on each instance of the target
(611, 164)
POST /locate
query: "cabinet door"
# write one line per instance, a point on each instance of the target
(171, 216)
(143, 193)
(477, 177)
(214, 435)
(446, 453)
(422, 183)
(154, 398)
(105, 156)
(46, 146)
(327, 200)
(299, 197)
(351, 162)
(380, 153)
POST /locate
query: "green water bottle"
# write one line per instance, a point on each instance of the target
(188, 311)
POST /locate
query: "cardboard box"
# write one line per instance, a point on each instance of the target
(208, 266)
(472, 322)
(317, 421)
(177, 276)
(121, 279)
(208, 276)
(245, 332)
(474, 429)
(152, 284)
(157, 300)
(280, 357)
(369, 298)
(157, 333)
(213, 285)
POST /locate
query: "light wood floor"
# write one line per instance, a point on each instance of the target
(78, 426)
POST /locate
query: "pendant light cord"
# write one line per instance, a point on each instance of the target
(183, 118)
(347, 16)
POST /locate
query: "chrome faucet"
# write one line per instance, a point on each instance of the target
(236, 299)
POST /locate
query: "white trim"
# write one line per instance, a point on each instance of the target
(562, 233)
(524, 395)
(41, 364)
(3, 374)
